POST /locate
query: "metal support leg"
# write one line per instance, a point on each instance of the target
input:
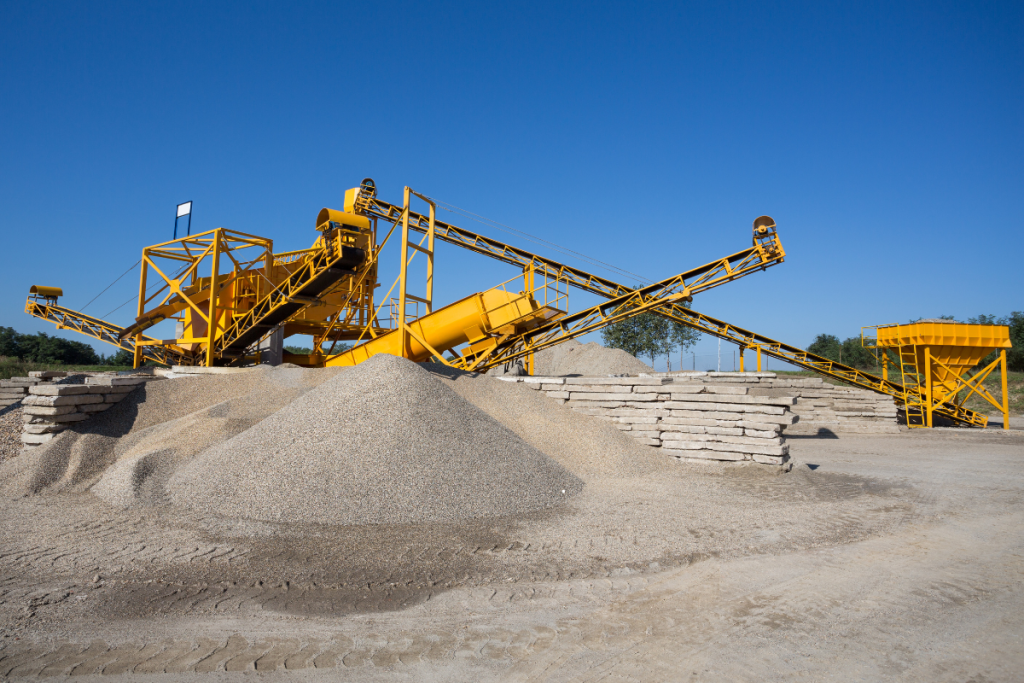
(402, 273)
(137, 360)
(1006, 399)
(211, 328)
(928, 385)
(528, 273)
(759, 359)
(742, 349)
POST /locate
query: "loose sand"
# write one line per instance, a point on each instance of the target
(10, 432)
(143, 422)
(386, 442)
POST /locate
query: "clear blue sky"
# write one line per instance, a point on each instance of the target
(884, 138)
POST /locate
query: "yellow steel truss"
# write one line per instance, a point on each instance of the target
(368, 202)
(46, 308)
(497, 339)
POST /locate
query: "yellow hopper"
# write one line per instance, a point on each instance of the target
(935, 356)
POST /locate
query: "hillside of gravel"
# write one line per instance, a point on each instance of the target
(147, 457)
(143, 423)
(386, 442)
(586, 446)
(587, 360)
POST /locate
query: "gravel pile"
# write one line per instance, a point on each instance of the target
(585, 445)
(80, 454)
(147, 457)
(587, 360)
(10, 432)
(386, 442)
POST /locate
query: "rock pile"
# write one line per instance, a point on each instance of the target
(684, 419)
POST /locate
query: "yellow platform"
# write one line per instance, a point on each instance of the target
(935, 356)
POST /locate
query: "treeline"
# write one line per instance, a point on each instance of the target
(850, 352)
(42, 348)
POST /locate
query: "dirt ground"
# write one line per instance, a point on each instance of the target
(877, 558)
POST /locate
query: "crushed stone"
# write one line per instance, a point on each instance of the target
(572, 358)
(585, 445)
(10, 432)
(386, 442)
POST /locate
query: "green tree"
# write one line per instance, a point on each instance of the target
(827, 346)
(682, 337)
(646, 334)
(9, 343)
(121, 358)
(42, 348)
(659, 339)
(1014, 355)
(855, 355)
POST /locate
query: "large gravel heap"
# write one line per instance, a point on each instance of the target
(385, 442)
(587, 360)
(388, 441)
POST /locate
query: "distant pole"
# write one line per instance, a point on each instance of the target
(719, 354)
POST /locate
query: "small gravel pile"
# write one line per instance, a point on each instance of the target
(10, 432)
(587, 360)
(386, 442)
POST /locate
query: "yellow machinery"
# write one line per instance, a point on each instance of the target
(228, 291)
(356, 317)
(745, 339)
(934, 357)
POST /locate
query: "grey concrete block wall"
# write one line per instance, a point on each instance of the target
(685, 420)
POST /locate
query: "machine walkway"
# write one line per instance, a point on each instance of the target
(316, 274)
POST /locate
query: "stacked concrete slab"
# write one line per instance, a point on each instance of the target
(15, 389)
(49, 409)
(685, 420)
(821, 406)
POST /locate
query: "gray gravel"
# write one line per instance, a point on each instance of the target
(10, 432)
(79, 455)
(586, 446)
(587, 360)
(386, 442)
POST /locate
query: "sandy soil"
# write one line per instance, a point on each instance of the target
(895, 557)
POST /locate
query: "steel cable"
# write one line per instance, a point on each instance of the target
(111, 285)
(451, 208)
